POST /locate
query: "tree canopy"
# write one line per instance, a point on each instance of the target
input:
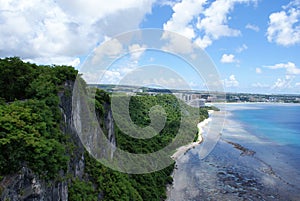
(31, 135)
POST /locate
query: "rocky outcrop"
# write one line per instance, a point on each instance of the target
(26, 185)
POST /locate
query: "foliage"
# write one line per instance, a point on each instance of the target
(114, 185)
(14, 76)
(30, 118)
(20, 80)
(177, 114)
(152, 186)
(212, 108)
(81, 191)
(30, 133)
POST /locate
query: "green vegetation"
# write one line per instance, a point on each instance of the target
(81, 191)
(30, 133)
(175, 111)
(114, 185)
(30, 118)
(152, 186)
(214, 108)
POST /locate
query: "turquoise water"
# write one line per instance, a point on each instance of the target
(278, 123)
(270, 131)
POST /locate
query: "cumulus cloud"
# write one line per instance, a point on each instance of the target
(284, 28)
(290, 67)
(228, 58)
(252, 27)
(215, 21)
(231, 82)
(47, 29)
(111, 48)
(136, 51)
(177, 43)
(203, 42)
(283, 83)
(111, 76)
(211, 20)
(184, 12)
(291, 71)
(97, 9)
(170, 3)
(144, 76)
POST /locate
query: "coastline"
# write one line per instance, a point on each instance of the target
(241, 167)
(183, 149)
(252, 103)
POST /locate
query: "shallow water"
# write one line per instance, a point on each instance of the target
(248, 162)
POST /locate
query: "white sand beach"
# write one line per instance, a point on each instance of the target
(183, 149)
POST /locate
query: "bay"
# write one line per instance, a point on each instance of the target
(257, 158)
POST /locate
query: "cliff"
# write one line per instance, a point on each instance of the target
(27, 185)
(42, 129)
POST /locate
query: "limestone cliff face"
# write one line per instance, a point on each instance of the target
(26, 185)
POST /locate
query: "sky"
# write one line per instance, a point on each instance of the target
(254, 44)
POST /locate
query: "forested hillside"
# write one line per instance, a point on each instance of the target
(41, 156)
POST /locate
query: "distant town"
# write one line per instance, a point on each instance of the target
(200, 98)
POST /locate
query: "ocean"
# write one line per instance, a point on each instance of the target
(256, 158)
(272, 131)
(278, 123)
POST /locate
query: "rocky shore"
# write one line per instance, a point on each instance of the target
(232, 171)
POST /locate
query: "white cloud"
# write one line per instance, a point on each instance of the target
(283, 28)
(203, 42)
(144, 76)
(291, 68)
(184, 12)
(170, 3)
(252, 27)
(242, 48)
(111, 49)
(215, 21)
(177, 43)
(228, 58)
(212, 20)
(258, 70)
(283, 83)
(231, 82)
(291, 71)
(97, 9)
(48, 29)
(111, 77)
(136, 51)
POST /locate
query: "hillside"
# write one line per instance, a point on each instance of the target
(42, 157)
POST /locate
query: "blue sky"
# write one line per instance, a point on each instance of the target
(254, 44)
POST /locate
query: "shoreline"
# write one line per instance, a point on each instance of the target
(250, 103)
(183, 149)
(239, 168)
